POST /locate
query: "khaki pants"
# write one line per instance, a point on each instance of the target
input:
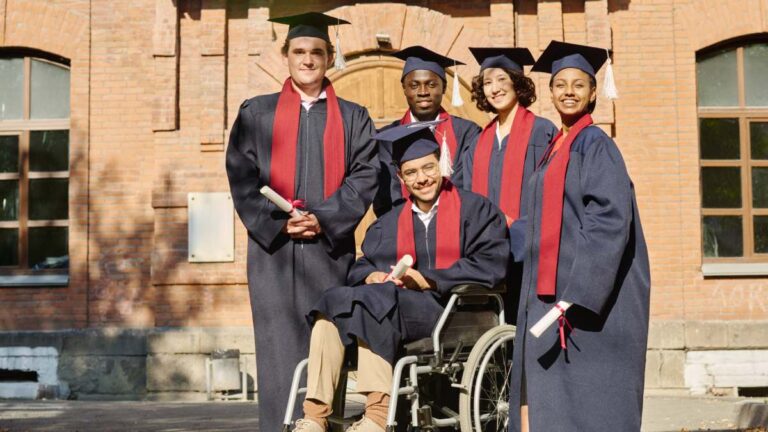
(326, 357)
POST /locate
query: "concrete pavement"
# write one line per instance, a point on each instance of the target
(663, 413)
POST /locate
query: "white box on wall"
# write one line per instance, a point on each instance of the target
(211, 227)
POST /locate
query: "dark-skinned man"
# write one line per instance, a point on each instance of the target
(424, 84)
(316, 150)
(455, 236)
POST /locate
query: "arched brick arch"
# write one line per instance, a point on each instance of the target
(45, 26)
(708, 22)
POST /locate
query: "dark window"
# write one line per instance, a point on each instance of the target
(34, 166)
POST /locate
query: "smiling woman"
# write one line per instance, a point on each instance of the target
(584, 246)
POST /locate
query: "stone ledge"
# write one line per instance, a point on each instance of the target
(201, 341)
(666, 335)
(110, 341)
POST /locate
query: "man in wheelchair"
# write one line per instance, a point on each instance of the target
(455, 237)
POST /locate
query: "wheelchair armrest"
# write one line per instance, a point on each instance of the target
(474, 289)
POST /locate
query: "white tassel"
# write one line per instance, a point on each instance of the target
(609, 85)
(446, 166)
(456, 99)
(339, 62)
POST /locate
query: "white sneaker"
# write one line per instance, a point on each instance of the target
(306, 425)
(365, 425)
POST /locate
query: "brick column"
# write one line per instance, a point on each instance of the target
(166, 66)
(213, 17)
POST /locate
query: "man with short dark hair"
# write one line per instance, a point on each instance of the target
(315, 150)
(424, 84)
(455, 237)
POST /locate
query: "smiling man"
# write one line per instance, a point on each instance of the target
(454, 236)
(424, 84)
(316, 150)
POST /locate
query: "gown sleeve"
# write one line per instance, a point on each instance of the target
(341, 212)
(485, 250)
(364, 265)
(263, 220)
(607, 194)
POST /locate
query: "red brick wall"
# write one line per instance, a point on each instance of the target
(154, 92)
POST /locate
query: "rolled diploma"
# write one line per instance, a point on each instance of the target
(548, 319)
(279, 201)
(401, 267)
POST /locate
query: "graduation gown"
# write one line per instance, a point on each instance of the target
(384, 315)
(286, 277)
(597, 383)
(542, 133)
(389, 192)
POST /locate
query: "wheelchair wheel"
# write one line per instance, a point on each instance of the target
(484, 402)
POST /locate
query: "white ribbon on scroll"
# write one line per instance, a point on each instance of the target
(401, 267)
(282, 203)
(549, 318)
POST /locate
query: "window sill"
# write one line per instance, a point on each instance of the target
(51, 280)
(734, 269)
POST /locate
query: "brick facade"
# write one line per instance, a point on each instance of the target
(155, 85)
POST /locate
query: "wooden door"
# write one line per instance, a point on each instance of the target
(373, 81)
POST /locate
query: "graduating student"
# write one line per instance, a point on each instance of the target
(424, 84)
(499, 164)
(585, 246)
(315, 149)
(455, 237)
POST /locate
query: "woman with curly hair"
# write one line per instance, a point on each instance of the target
(500, 162)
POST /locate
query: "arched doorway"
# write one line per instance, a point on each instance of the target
(373, 81)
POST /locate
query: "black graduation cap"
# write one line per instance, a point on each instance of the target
(562, 55)
(311, 24)
(420, 58)
(507, 58)
(410, 141)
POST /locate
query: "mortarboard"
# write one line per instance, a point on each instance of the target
(315, 24)
(310, 24)
(420, 58)
(561, 55)
(410, 141)
(507, 58)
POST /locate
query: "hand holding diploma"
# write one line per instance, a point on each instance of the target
(398, 271)
(281, 203)
(549, 318)
(301, 225)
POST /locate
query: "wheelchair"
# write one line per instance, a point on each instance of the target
(458, 378)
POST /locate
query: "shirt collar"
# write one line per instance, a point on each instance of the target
(309, 104)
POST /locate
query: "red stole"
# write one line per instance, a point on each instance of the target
(448, 237)
(552, 207)
(285, 131)
(514, 161)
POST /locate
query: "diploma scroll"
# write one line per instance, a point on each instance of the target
(282, 203)
(549, 319)
(401, 267)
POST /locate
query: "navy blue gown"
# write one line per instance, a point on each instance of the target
(542, 133)
(286, 277)
(596, 384)
(385, 316)
(389, 193)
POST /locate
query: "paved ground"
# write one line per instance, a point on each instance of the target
(662, 414)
